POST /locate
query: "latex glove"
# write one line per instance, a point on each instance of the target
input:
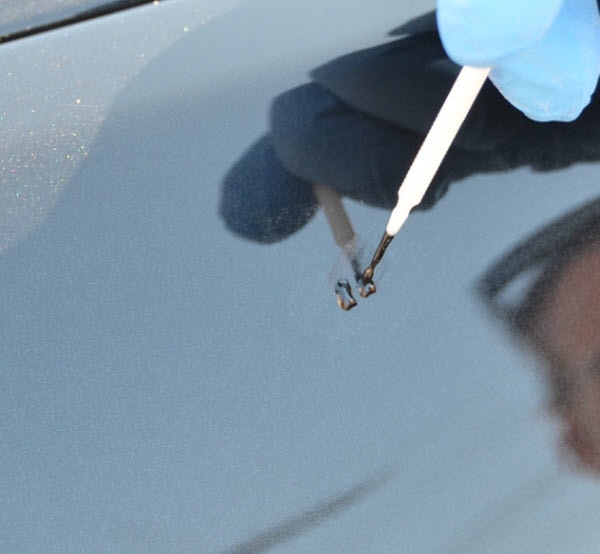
(544, 54)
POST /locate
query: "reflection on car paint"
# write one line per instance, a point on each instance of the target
(345, 237)
(311, 518)
(555, 312)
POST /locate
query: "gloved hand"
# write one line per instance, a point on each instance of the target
(544, 54)
(358, 125)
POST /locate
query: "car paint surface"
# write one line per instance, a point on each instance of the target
(169, 387)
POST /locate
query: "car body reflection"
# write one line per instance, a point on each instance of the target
(558, 315)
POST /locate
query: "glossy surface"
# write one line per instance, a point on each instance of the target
(18, 15)
(170, 387)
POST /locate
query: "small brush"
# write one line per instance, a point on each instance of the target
(453, 112)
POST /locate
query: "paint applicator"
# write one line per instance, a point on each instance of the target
(453, 112)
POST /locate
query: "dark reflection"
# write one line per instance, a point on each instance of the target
(311, 518)
(358, 123)
(547, 292)
(23, 20)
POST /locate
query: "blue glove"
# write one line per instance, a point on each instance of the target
(544, 54)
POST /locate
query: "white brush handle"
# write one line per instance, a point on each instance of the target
(436, 143)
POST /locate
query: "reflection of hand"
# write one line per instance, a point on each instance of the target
(545, 54)
(358, 125)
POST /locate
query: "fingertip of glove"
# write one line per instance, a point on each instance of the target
(482, 33)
